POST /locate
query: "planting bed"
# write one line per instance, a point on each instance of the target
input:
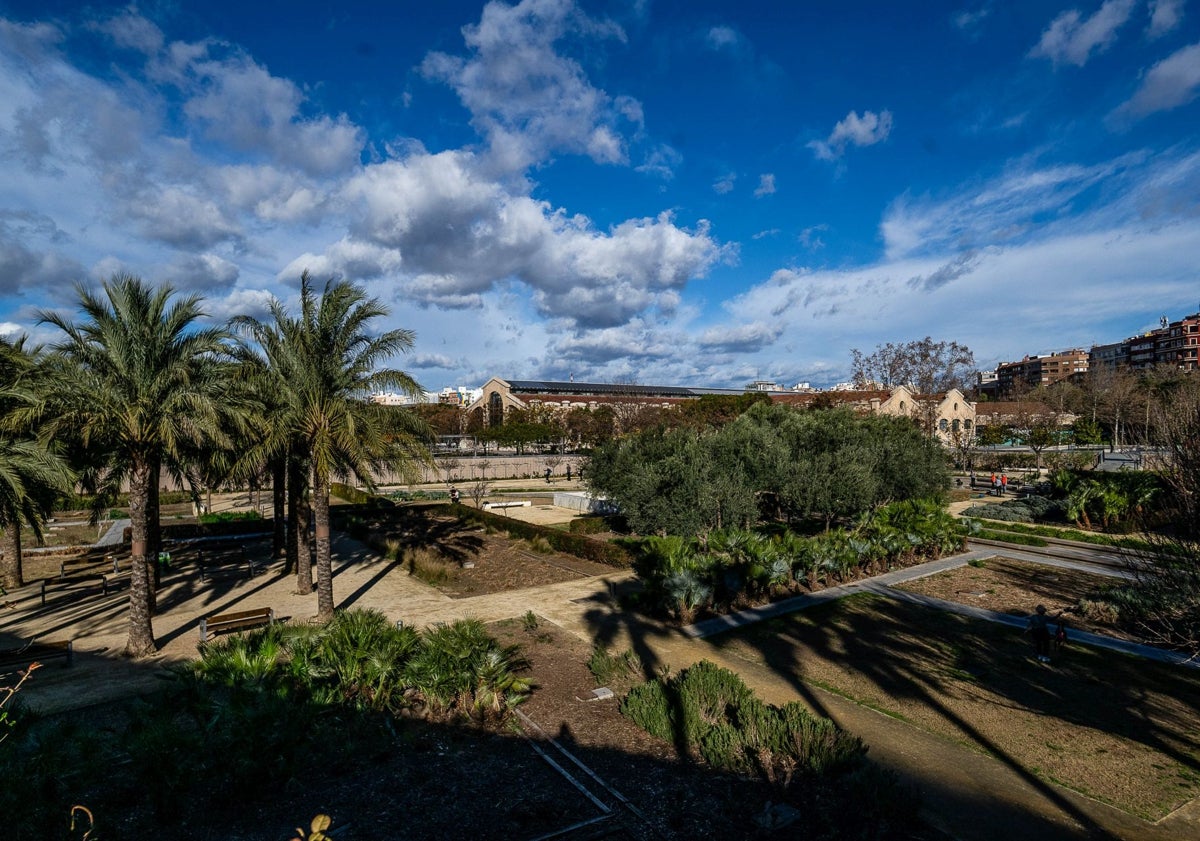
(1008, 586)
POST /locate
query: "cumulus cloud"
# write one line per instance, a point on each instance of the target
(1165, 15)
(766, 185)
(1168, 84)
(207, 273)
(745, 338)
(240, 103)
(1071, 38)
(867, 130)
(527, 99)
(182, 217)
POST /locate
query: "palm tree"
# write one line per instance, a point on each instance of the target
(323, 365)
(30, 474)
(141, 380)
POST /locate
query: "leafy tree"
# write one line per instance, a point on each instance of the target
(139, 380)
(928, 366)
(772, 462)
(326, 368)
(1086, 432)
(31, 475)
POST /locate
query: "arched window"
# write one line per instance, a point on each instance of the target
(966, 424)
(943, 425)
(495, 409)
(955, 425)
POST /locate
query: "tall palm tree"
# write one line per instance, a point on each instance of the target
(324, 364)
(140, 378)
(31, 475)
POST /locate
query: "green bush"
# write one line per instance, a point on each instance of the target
(810, 763)
(588, 525)
(229, 517)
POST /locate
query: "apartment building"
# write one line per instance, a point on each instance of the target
(1175, 343)
(1040, 370)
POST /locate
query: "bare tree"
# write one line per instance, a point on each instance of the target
(449, 466)
(478, 491)
(482, 465)
(552, 463)
(929, 367)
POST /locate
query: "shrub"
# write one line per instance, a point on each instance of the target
(608, 668)
(229, 517)
(713, 711)
(588, 525)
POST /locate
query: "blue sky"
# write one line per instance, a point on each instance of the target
(699, 193)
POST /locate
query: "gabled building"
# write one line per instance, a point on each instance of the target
(945, 416)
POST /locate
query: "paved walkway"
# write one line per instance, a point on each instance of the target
(970, 795)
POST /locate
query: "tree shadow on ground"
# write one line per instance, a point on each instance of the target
(916, 655)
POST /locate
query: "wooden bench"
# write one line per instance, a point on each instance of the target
(242, 565)
(12, 659)
(102, 582)
(76, 566)
(239, 621)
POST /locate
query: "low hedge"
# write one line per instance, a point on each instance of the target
(348, 493)
(588, 525)
(187, 531)
(600, 551)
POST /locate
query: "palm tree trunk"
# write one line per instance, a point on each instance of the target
(298, 557)
(11, 572)
(154, 530)
(141, 632)
(279, 507)
(324, 554)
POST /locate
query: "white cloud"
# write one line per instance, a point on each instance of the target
(722, 38)
(1024, 198)
(661, 161)
(970, 21)
(208, 273)
(766, 185)
(1071, 38)
(745, 338)
(461, 233)
(527, 99)
(810, 237)
(1165, 15)
(1168, 84)
(867, 130)
(239, 103)
(725, 183)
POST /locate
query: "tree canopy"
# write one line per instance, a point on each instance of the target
(928, 366)
(773, 462)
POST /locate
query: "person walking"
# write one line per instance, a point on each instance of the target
(1003, 484)
(1039, 628)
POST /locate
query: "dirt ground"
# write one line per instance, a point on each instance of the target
(1123, 731)
(1016, 587)
(463, 561)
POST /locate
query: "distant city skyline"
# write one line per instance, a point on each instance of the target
(701, 193)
